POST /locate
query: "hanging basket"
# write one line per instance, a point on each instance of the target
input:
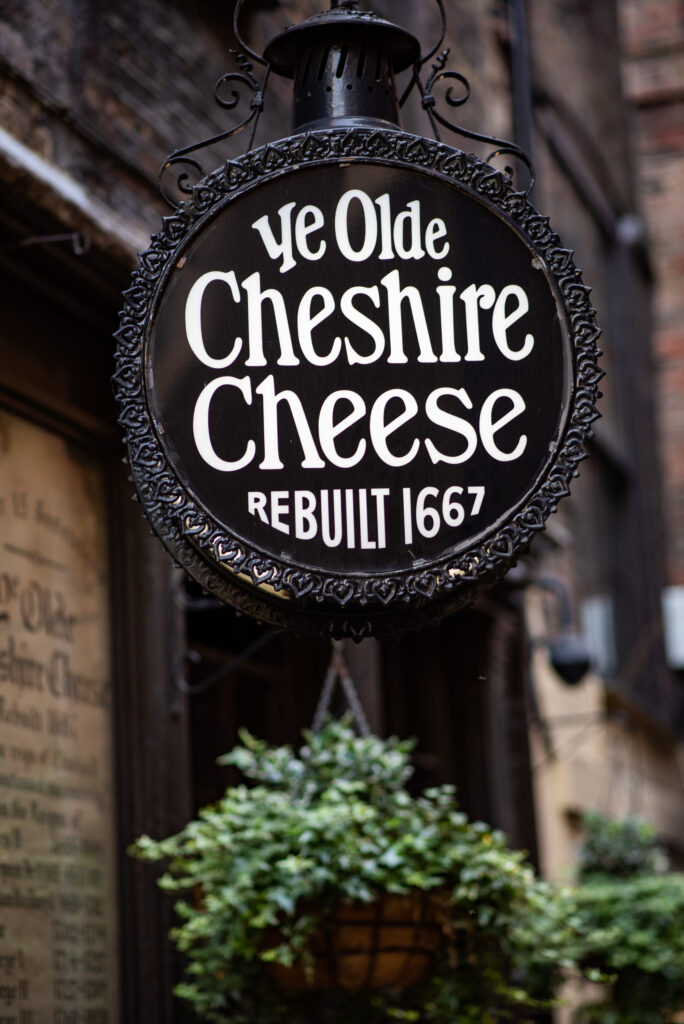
(388, 944)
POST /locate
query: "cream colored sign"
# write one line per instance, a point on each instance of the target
(58, 913)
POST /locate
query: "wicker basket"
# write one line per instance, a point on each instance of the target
(388, 944)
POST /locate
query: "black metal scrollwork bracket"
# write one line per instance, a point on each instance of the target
(229, 90)
(233, 86)
(440, 75)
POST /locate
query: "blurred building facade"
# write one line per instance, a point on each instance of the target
(94, 96)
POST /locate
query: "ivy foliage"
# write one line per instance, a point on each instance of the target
(260, 870)
(630, 913)
(619, 849)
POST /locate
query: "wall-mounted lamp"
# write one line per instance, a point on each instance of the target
(568, 651)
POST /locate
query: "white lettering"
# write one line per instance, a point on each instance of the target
(306, 527)
(283, 248)
(365, 323)
(256, 505)
(380, 429)
(349, 506)
(386, 250)
(200, 424)
(370, 235)
(255, 300)
(489, 427)
(271, 401)
(380, 494)
(366, 543)
(395, 296)
(475, 297)
(306, 323)
(409, 218)
(436, 229)
(303, 230)
(446, 294)
(450, 422)
(279, 508)
(193, 318)
(329, 540)
(501, 321)
(328, 430)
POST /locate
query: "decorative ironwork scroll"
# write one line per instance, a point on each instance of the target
(441, 75)
(229, 90)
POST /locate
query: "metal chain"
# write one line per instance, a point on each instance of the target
(338, 670)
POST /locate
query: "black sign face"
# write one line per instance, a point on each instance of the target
(358, 377)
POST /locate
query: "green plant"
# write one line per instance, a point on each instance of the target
(259, 871)
(631, 924)
(620, 849)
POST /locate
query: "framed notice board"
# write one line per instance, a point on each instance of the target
(58, 877)
(92, 740)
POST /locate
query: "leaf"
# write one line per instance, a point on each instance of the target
(391, 858)
(264, 867)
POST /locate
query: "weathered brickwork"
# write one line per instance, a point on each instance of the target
(653, 44)
(106, 91)
(572, 42)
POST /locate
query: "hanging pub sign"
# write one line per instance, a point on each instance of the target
(357, 369)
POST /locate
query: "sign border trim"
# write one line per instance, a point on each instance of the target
(220, 561)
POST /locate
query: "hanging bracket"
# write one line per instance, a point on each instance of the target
(338, 670)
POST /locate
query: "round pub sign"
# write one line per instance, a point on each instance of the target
(357, 371)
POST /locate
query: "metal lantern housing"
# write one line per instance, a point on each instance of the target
(343, 63)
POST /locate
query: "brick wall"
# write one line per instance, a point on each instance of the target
(653, 46)
(105, 91)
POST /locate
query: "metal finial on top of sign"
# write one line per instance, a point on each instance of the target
(343, 62)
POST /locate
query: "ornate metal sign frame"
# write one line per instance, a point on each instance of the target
(298, 597)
